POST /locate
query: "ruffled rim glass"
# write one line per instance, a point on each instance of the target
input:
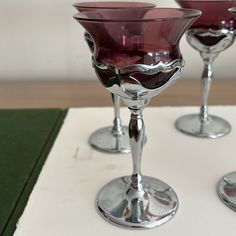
(152, 15)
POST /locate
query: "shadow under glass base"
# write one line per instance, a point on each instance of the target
(105, 141)
(154, 205)
(227, 190)
(215, 127)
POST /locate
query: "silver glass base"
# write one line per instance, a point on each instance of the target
(215, 127)
(227, 190)
(105, 141)
(154, 205)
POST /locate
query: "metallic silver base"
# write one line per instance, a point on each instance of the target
(154, 205)
(105, 141)
(227, 190)
(215, 127)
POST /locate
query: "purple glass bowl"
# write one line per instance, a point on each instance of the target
(146, 37)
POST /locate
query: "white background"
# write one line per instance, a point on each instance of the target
(39, 40)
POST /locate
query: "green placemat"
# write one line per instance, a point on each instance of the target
(26, 137)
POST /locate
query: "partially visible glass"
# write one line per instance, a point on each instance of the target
(227, 184)
(137, 56)
(211, 34)
(110, 139)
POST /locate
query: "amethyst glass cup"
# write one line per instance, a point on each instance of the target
(227, 184)
(112, 139)
(211, 34)
(137, 57)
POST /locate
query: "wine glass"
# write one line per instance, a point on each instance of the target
(137, 57)
(227, 184)
(110, 139)
(211, 34)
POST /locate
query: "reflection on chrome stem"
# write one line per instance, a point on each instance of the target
(136, 135)
(206, 86)
(117, 125)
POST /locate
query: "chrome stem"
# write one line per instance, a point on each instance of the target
(207, 75)
(117, 125)
(136, 135)
(137, 201)
(206, 81)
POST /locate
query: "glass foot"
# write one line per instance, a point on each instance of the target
(227, 190)
(215, 127)
(154, 205)
(103, 140)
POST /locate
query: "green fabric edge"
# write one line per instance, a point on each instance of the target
(10, 227)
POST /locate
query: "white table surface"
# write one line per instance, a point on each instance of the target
(63, 200)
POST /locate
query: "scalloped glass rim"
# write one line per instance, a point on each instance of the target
(112, 5)
(93, 15)
(232, 10)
